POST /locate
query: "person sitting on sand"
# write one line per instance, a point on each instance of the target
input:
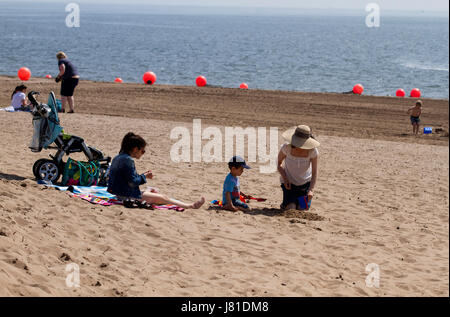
(297, 165)
(19, 99)
(415, 113)
(124, 181)
(231, 187)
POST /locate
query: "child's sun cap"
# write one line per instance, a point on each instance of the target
(239, 161)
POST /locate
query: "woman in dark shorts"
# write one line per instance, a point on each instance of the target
(297, 165)
(69, 75)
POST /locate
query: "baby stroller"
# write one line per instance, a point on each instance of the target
(47, 131)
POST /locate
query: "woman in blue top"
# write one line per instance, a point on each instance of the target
(69, 75)
(124, 181)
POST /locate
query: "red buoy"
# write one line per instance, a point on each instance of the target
(48, 76)
(118, 80)
(24, 74)
(400, 93)
(149, 78)
(415, 93)
(201, 81)
(358, 89)
(243, 86)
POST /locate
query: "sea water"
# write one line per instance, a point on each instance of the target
(310, 52)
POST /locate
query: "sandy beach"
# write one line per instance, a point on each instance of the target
(382, 197)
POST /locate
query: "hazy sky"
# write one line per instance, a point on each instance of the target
(428, 5)
(395, 5)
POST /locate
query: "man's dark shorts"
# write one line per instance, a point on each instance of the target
(68, 86)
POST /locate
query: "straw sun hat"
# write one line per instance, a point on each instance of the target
(301, 137)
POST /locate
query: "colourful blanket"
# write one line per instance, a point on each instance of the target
(100, 196)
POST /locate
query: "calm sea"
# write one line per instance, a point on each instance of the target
(304, 53)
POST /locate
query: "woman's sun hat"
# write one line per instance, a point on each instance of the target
(301, 137)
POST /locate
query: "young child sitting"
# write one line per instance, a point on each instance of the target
(231, 187)
(415, 113)
(124, 181)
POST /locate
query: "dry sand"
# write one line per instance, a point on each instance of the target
(382, 197)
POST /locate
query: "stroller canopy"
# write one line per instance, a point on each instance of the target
(45, 122)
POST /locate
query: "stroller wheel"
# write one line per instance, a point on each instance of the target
(46, 170)
(36, 165)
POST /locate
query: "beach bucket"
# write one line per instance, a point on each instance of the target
(427, 130)
(304, 203)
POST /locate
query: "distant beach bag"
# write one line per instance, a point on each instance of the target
(55, 102)
(58, 105)
(79, 173)
(304, 203)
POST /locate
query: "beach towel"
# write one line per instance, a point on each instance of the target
(114, 201)
(168, 207)
(97, 200)
(8, 109)
(100, 196)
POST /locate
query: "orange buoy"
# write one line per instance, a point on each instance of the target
(149, 78)
(201, 81)
(118, 80)
(24, 74)
(415, 93)
(243, 86)
(48, 76)
(400, 93)
(358, 89)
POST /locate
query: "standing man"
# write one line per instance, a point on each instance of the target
(69, 75)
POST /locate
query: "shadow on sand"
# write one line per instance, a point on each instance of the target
(11, 177)
(277, 212)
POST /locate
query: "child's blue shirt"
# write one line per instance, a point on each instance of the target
(231, 185)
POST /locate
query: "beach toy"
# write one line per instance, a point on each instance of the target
(24, 74)
(400, 93)
(427, 130)
(243, 86)
(415, 93)
(149, 78)
(118, 80)
(304, 203)
(48, 76)
(358, 89)
(201, 81)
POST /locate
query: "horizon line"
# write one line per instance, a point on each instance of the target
(213, 6)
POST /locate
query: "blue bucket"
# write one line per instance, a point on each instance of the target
(304, 203)
(427, 130)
